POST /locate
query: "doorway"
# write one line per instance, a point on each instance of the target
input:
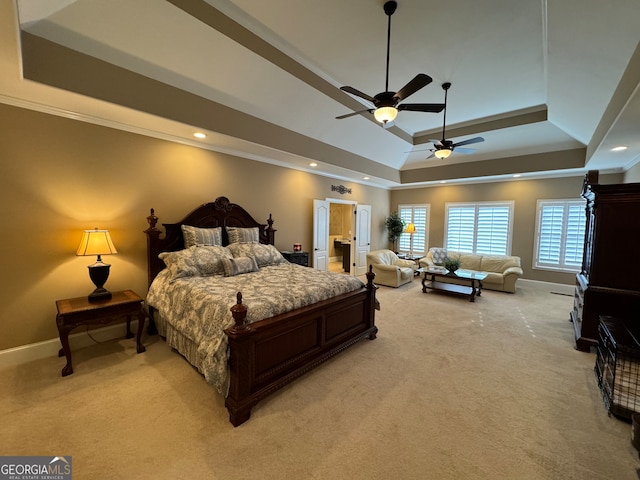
(341, 236)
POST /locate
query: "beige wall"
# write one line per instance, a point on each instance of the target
(524, 193)
(60, 176)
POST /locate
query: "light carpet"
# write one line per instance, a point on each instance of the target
(449, 390)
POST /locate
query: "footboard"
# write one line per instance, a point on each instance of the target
(266, 355)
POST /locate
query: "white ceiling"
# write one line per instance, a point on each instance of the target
(531, 77)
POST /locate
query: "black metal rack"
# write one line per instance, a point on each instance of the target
(618, 366)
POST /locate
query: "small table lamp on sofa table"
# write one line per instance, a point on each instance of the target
(97, 242)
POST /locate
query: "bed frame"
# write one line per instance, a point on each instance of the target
(268, 354)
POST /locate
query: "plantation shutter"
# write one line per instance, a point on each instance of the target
(560, 237)
(574, 245)
(460, 228)
(419, 238)
(479, 228)
(492, 235)
(551, 223)
(419, 216)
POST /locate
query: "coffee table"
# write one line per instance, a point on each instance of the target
(469, 282)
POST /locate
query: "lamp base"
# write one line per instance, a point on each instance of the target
(99, 273)
(99, 294)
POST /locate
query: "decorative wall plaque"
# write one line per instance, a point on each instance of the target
(341, 189)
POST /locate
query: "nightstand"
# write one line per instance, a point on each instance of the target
(301, 258)
(73, 312)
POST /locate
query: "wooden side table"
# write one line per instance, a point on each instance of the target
(301, 258)
(73, 312)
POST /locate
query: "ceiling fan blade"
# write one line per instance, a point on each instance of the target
(347, 115)
(436, 143)
(421, 107)
(469, 142)
(464, 150)
(420, 150)
(419, 81)
(358, 93)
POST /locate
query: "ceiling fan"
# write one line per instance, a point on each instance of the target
(443, 148)
(387, 104)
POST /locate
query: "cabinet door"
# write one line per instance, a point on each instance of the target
(616, 253)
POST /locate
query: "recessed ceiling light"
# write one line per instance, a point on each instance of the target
(443, 181)
(313, 164)
(365, 178)
(516, 175)
(199, 135)
(618, 149)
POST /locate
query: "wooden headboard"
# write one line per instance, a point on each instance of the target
(220, 213)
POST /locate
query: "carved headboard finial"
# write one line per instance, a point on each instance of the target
(223, 204)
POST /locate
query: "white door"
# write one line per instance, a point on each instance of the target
(361, 244)
(321, 235)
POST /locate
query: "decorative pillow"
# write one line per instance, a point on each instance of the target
(195, 261)
(201, 236)
(238, 265)
(243, 235)
(180, 264)
(264, 254)
(209, 259)
(439, 255)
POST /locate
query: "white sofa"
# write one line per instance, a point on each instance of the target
(502, 270)
(389, 269)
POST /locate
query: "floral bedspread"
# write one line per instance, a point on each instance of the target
(197, 309)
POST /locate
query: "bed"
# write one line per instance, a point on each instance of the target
(260, 324)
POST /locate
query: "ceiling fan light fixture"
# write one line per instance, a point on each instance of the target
(385, 114)
(442, 153)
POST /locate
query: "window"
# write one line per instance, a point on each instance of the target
(479, 227)
(560, 228)
(415, 243)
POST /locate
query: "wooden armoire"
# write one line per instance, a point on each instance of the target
(609, 281)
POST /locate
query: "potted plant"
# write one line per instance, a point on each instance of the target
(451, 264)
(395, 227)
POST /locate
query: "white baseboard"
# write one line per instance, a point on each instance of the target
(49, 348)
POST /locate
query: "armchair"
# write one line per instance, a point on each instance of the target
(389, 269)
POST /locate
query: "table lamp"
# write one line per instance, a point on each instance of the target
(97, 242)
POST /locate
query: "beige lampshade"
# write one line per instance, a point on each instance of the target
(96, 242)
(411, 228)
